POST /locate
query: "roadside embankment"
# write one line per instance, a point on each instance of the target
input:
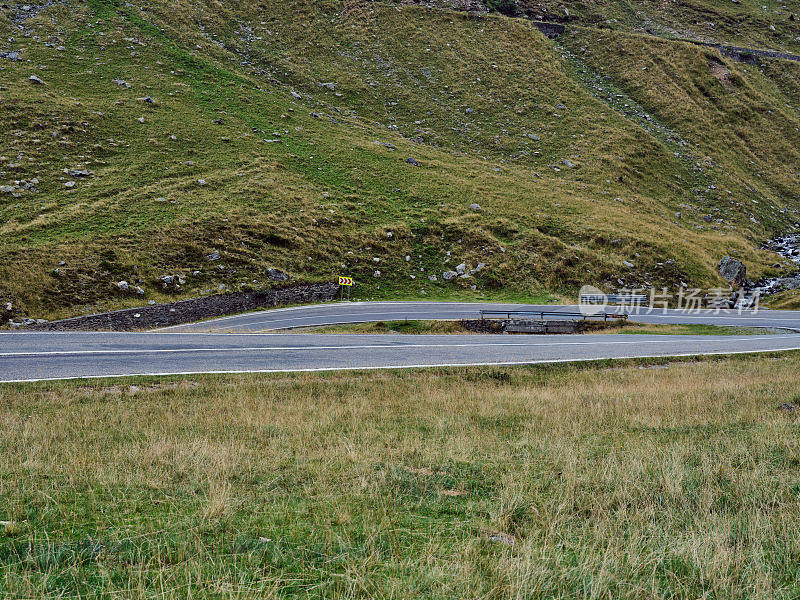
(194, 309)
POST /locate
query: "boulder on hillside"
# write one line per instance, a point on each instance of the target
(277, 275)
(733, 270)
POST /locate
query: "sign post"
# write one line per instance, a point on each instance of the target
(345, 282)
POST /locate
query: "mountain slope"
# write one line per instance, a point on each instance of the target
(278, 135)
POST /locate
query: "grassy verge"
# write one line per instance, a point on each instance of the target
(455, 327)
(410, 327)
(683, 329)
(561, 481)
(786, 300)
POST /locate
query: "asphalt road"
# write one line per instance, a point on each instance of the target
(29, 356)
(358, 312)
(44, 355)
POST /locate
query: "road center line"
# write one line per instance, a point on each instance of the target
(402, 346)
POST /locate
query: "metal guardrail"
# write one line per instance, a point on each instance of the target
(541, 313)
(629, 300)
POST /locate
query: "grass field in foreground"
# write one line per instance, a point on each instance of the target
(609, 480)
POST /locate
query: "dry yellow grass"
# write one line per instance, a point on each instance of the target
(634, 480)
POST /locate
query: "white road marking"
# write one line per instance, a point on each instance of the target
(417, 366)
(425, 315)
(402, 346)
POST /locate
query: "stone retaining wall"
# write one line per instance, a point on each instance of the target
(529, 326)
(194, 309)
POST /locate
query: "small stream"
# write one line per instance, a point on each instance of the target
(788, 246)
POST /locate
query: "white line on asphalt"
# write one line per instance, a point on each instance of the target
(326, 305)
(441, 316)
(418, 366)
(392, 316)
(400, 346)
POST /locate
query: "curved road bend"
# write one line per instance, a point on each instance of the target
(358, 312)
(41, 355)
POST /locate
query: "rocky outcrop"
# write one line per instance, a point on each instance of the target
(733, 271)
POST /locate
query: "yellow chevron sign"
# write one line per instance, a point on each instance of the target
(345, 281)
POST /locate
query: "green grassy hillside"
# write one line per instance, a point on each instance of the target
(751, 23)
(279, 133)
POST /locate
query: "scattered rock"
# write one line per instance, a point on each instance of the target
(296, 95)
(123, 286)
(787, 406)
(475, 207)
(329, 85)
(448, 275)
(568, 163)
(732, 270)
(478, 269)
(376, 274)
(215, 255)
(35, 80)
(277, 275)
(386, 145)
(79, 172)
(69, 184)
(147, 99)
(412, 162)
(14, 55)
(501, 538)
(627, 263)
(122, 83)
(201, 181)
(461, 269)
